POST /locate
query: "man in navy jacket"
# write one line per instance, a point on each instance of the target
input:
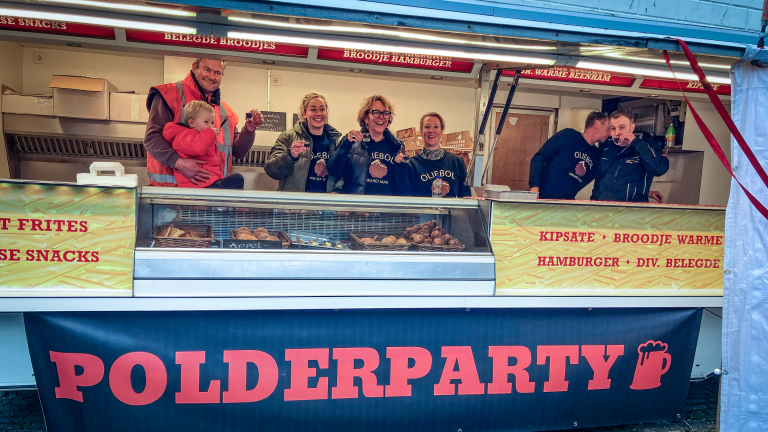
(627, 164)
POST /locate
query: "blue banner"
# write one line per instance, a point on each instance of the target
(361, 370)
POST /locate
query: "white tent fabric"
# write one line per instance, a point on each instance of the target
(744, 398)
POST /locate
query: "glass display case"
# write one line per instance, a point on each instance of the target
(219, 242)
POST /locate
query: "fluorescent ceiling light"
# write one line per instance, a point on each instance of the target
(388, 48)
(107, 22)
(677, 62)
(382, 32)
(647, 72)
(126, 7)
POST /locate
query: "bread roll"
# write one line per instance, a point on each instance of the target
(261, 235)
(246, 236)
(242, 230)
(271, 238)
(258, 230)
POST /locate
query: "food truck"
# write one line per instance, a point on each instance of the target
(609, 309)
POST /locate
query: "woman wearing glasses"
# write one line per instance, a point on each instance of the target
(370, 159)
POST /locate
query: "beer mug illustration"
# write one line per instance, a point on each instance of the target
(654, 361)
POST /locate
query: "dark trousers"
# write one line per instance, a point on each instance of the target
(234, 181)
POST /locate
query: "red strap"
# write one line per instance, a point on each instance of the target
(731, 126)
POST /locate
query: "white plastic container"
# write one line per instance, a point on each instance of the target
(120, 178)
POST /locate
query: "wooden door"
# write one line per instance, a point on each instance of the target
(521, 138)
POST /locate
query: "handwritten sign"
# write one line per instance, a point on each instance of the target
(273, 121)
(251, 244)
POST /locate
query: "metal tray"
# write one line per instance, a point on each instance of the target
(308, 236)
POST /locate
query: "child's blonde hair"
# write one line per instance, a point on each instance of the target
(193, 109)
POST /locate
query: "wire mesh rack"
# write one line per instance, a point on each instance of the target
(323, 223)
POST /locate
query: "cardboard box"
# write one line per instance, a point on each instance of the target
(81, 97)
(408, 133)
(413, 143)
(128, 107)
(17, 103)
(458, 140)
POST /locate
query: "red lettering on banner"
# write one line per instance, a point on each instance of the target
(570, 74)
(467, 373)
(400, 373)
(346, 372)
(557, 355)
(120, 378)
(190, 393)
(421, 61)
(502, 369)
(595, 355)
(69, 381)
(301, 372)
(238, 363)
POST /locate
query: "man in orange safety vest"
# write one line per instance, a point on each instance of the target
(165, 103)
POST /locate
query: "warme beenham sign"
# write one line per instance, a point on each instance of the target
(378, 370)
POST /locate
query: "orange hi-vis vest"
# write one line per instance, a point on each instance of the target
(176, 95)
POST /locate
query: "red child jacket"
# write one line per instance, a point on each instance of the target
(191, 144)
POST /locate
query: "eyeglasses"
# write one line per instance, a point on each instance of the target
(377, 113)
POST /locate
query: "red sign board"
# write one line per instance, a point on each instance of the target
(57, 27)
(582, 76)
(417, 61)
(692, 86)
(215, 42)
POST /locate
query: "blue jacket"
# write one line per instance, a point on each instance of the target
(351, 162)
(626, 173)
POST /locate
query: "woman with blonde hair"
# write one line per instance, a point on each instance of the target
(370, 159)
(435, 162)
(300, 155)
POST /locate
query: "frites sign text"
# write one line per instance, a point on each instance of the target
(419, 61)
(60, 240)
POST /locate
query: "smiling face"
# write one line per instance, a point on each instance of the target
(203, 121)
(316, 114)
(377, 125)
(208, 74)
(621, 125)
(432, 132)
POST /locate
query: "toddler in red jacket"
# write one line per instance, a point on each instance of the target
(197, 140)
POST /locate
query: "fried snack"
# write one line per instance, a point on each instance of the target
(261, 235)
(271, 238)
(246, 236)
(436, 233)
(447, 238)
(258, 230)
(242, 230)
(438, 241)
(367, 240)
(408, 232)
(417, 238)
(427, 240)
(389, 240)
(165, 232)
(190, 233)
(175, 232)
(401, 241)
(453, 242)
